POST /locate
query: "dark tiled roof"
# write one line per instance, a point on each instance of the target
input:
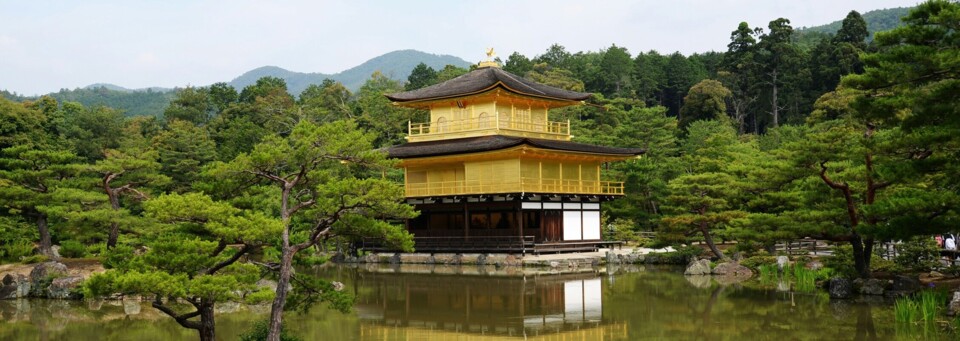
(496, 142)
(482, 79)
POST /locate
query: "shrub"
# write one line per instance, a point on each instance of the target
(756, 262)
(117, 257)
(260, 330)
(72, 249)
(34, 259)
(97, 249)
(842, 262)
(18, 250)
(918, 254)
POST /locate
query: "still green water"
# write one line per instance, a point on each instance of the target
(471, 303)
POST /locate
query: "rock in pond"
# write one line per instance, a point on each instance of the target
(698, 267)
(14, 286)
(840, 288)
(732, 269)
(782, 262)
(953, 308)
(905, 284)
(43, 274)
(65, 288)
(871, 286)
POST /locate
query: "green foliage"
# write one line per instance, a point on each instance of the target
(706, 100)
(260, 296)
(34, 259)
(842, 262)
(421, 76)
(919, 253)
(876, 21)
(148, 102)
(920, 314)
(756, 262)
(17, 250)
(681, 255)
(72, 249)
(259, 331)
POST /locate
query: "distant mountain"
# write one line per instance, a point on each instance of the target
(131, 102)
(122, 89)
(396, 65)
(877, 20)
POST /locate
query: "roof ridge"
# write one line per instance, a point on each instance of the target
(521, 82)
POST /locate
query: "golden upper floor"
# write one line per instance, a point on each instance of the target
(488, 101)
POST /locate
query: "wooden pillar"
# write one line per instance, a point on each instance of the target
(519, 221)
(466, 219)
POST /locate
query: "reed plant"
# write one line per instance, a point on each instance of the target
(768, 273)
(805, 280)
(918, 315)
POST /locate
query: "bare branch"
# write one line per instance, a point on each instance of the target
(266, 175)
(243, 250)
(183, 319)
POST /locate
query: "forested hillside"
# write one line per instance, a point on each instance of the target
(130, 102)
(395, 65)
(877, 20)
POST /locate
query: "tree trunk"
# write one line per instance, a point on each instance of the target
(114, 226)
(206, 329)
(776, 107)
(862, 252)
(709, 239)
(276, 310)
(46, 244)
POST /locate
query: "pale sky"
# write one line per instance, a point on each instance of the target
(49, 45)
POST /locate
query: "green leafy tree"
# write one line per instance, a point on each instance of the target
(706, 198)
(450, 72)
(616, 72)
(555, 56)
(194, 258)
(28, 178)
(376, 113)
(329, 182)
(190, 104)
(779, 61)
(222, 96)
(739, 73)
(518, 64)
(421, 76)
(649, 77)
(126, 172)
(545, 74)
(183, 149)
(705, 101)
(329, 101)
(20, 124)
(90, 131)
(681, 74)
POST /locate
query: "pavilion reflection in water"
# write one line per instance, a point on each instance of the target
(398, 306)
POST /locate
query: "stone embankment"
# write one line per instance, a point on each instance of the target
(46, 280)
(567, 260)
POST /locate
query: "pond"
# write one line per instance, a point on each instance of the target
(471, 303)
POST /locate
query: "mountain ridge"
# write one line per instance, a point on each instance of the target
(395, 65)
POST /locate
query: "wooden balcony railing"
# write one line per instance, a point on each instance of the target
(498, 123)
(530, 185)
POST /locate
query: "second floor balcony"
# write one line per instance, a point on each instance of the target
(488, 124)
(529, 185)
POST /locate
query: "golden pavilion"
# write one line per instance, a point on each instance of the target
(491, 172)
